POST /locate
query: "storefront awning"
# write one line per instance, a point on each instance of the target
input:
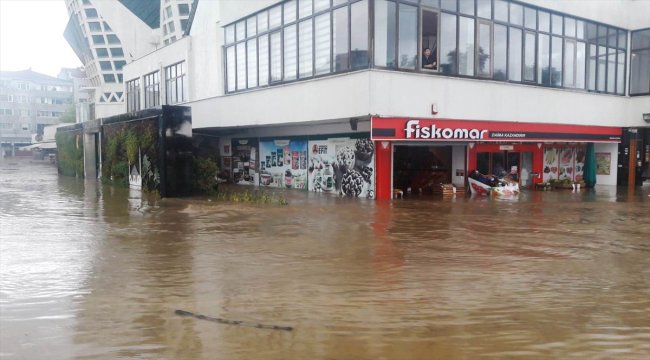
(413, 129)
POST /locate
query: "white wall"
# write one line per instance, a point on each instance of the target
(334, 97)
(206, 66)
(611, 178)
(390, 93)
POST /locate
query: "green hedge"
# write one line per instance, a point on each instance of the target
(70, 149)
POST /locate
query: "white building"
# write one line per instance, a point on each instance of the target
(30, 101)
(538, 79)
(107, 34)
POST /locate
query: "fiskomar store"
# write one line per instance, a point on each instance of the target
(420, 153)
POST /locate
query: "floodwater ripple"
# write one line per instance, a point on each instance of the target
(93, 272)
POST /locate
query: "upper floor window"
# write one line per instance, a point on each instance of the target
(133, 95)
(300, 39)
(175, 84)
(640, 63)
(152, 89)
(183, 9)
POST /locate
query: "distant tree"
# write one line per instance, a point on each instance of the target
(70, 115)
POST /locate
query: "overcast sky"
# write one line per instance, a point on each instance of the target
(31, 35)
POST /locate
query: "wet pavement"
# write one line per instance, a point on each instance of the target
(94, 272)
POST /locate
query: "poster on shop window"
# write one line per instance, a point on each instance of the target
(283, 164)
(342, 166)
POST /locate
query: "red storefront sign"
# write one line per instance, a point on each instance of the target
(412, 129)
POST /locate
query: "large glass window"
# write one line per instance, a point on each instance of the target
(500, 52)
(602, 69)
(620, 73)
(448, 44)
(276, 57)
(251, 56)
(241, 66)
(340, 40)
(263, 50)
(514, 56)
(611, 70)
(152, 90)
(581, 56)
(231, 69)
(501, 10)
(305, 8)
(275, 17)
(591, 67)
(556, 61)
(408, 34)
(640, 63)
(530, 18)
(359, 57)
(529, 56)
(429, 40)
(466, 46)
(484, 52)
(466, 7)
(543, 60)
(289, 11)
(290, 47)
(516, 14)
(569, 63)
(133, 95)
(175, 84)
(305, 49)
(322, 43)
(484, 9)
(385, 33)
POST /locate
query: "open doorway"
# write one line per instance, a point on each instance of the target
(420, 168)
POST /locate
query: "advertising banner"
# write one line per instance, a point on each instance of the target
(244, 161)
(342, 166)
(283, 163)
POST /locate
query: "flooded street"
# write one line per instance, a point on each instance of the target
(92, 272)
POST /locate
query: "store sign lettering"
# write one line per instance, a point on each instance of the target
(414, 131)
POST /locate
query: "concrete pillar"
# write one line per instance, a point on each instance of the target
(90, 169)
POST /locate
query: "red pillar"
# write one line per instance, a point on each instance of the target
(383, 169)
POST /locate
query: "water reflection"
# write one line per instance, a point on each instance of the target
(96, 272)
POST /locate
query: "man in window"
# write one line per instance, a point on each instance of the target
(428, 60)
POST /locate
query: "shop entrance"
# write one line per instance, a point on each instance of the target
(512, 161)
(419, 168)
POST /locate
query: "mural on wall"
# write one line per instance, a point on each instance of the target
(566, 164)
(550, 164)
(343, 166)
(244, 161)
(283, 163)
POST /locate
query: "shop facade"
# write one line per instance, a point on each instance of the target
(528, 153)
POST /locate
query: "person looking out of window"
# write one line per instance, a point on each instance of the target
(428, 61)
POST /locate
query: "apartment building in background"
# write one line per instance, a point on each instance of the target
(30, 101)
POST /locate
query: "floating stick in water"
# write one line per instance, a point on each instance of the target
(232, 322)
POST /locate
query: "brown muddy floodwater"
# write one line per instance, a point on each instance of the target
(91, 272)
